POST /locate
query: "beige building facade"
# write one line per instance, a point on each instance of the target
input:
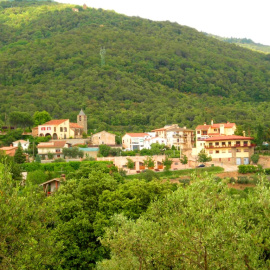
(230, 149)
(53, 147)
(103, 137)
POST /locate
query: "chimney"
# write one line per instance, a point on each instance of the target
(244, 133)
(212, 122)
(204, 123)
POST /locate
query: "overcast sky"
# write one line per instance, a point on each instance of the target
(226, 18)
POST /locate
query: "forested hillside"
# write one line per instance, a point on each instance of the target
(153, 72)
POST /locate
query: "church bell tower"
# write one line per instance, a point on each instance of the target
(82, 120)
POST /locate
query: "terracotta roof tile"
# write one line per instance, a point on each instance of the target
(228, 137)
(54, 122)
(137, 134)
(52, 144)
(204, 127)
(75, 125)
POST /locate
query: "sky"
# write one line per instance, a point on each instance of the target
(226, 18)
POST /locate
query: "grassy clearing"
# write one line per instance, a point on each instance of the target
(177, 174)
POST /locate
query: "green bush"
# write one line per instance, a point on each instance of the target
(242, 180)
(185, 182)
(248, 169)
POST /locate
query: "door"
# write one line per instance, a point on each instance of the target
(238, 161)
(246, 160)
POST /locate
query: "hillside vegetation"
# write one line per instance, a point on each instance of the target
(153, 73)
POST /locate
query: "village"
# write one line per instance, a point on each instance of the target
(217, 140)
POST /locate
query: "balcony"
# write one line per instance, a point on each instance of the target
(217, 146)
(229, 146)
(244, 145)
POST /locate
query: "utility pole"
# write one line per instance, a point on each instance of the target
(102, 55)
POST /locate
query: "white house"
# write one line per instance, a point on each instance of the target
(151, 140)
(53, 147)
(24, 144)
(134, 141)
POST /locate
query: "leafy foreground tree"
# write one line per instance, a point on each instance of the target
(85, 205)
(202, 226)
(26, 240)
(203, 157)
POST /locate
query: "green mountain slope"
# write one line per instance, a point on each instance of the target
(244, 42)
(154, 72)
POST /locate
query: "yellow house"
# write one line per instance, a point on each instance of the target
(232, 149)
(207, 131)
(60, 129)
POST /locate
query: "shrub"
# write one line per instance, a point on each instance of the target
(242, 180)
(184, 181)
(248, 169)
(255, 158)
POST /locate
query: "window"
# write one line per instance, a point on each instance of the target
(58, 156)
(198, 132)
(216, 143)
(217, 151)
(123, 141)
(48, 128)
(229, 159)
(43, 128)
(246, 150)
(61, 129)
(210, 144)
(211, 152)
(215, 129)
(223, 151)
(54, 129)
(65, 129)
(80, 118)
(223, 144)
(238, 150)
(57, 150)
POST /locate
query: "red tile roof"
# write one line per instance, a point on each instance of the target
(137, 134)
(7, 148)
(217, 125)
(75, 125)
(204, 127)
(52, 144)
(54, 122)
(159, 129)
(228, 137)
(226, 125)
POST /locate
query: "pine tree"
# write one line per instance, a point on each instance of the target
(38, 159)
(19, 156)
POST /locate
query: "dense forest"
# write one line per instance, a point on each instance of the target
(127, 73)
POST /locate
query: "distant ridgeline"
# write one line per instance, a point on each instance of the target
(128, 74)
(244, 42)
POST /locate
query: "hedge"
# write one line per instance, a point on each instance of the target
(30, 167)
(249, 169)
